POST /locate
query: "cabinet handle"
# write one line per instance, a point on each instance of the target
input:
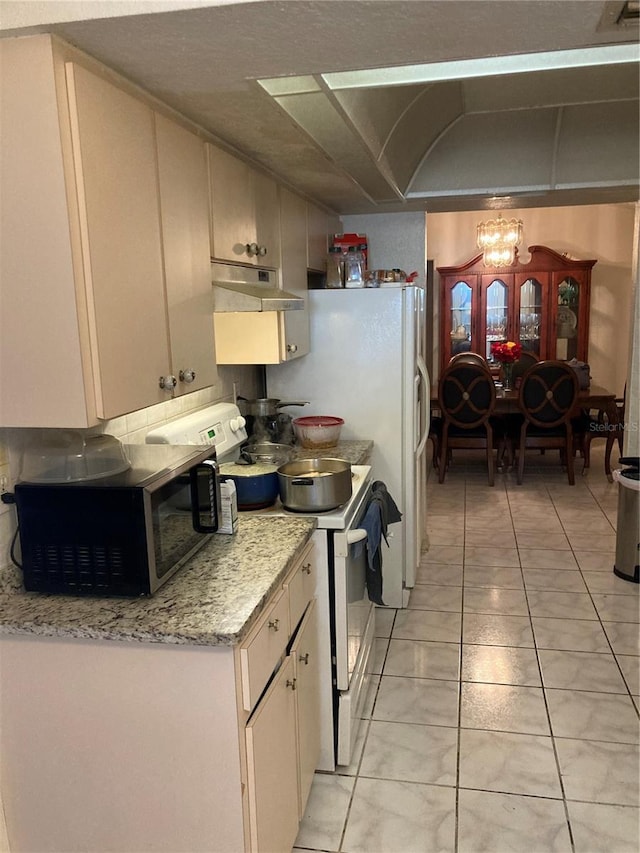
(291, 683)
(307, 568)
(275, 624)
(304, 659)
(252, 249)
(292, 347)
(187, 375)
(262, 251)
(167, 383)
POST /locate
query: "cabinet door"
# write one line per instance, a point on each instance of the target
(233, 221)
(569, 315)
(114, 157)
(317, 237)
(267, 220)
(496, 315)
(184, 198)
(532, 312)
(295, 341)
(304, 652)
(272, 765)
(459, 321)
(244, 212)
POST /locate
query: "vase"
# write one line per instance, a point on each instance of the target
(507, 376)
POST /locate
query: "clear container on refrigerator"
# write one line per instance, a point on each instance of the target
(354, 268)
(335, 268)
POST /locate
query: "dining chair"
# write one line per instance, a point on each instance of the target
(467, 396)
(597, 424)
(469, 358)
(526, 360)
(547, 399)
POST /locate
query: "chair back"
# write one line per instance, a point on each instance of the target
(548, 393)
(469, 358)
(526, 360)
(467, 395)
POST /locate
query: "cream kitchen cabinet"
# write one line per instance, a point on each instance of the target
(85, 320)
(184, 205)
(244, 212)
(164, 728)
(272, 337)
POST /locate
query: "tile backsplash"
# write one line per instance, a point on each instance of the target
(130, 429)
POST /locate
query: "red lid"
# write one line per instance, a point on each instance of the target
(318, 420)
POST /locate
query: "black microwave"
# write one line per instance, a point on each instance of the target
(123, 535)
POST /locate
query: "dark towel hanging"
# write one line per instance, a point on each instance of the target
(381, 512)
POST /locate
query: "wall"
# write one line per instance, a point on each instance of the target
(604, 232)
(130, 429)
(395, 240)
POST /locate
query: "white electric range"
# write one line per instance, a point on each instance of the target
(346, 617)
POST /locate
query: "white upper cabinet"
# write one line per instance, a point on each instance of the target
(244, 212)
(184, 203)
(97, 283)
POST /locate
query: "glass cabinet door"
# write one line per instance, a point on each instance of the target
(496, 314)
(460, 330)
(567, 318)
(531, 315)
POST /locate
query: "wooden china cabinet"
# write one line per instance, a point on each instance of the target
(543, 304)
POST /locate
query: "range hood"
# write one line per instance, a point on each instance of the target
(238, 288)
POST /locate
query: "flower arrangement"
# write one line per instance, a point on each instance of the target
(506, 352)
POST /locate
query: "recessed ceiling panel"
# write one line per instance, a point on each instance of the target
(552, 88)
(590, 154)
(499, 154)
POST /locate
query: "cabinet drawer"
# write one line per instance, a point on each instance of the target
(301, 587)
(262, 649)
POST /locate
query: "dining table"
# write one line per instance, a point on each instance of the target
(594, 397)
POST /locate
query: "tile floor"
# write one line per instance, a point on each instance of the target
(503, 709)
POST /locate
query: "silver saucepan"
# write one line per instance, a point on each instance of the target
(314, 485)
(266, 406)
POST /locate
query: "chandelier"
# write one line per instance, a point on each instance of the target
(498, 239)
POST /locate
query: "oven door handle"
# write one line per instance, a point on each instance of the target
(343, 541)
(356, 535)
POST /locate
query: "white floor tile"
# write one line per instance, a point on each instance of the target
(398, 795)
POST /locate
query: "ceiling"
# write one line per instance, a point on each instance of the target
(483, 121)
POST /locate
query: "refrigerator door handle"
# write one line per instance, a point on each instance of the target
(422, 369)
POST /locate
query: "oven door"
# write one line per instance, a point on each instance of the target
(354, 633)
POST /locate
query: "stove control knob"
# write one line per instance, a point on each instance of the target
(237, 423)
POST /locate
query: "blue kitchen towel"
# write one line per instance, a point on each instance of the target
(381, 511)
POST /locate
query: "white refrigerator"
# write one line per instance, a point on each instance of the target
(366, 365)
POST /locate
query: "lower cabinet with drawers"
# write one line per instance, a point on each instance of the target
(120, 746)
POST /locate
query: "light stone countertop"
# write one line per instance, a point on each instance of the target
(211, 601)
(356, 452)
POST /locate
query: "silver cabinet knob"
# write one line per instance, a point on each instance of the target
(307, 568)
(274, 624)
(253, 249)
(262, 251)
(187, 375)
(292, 347)
(167, 383)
